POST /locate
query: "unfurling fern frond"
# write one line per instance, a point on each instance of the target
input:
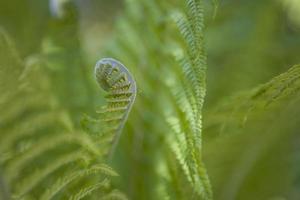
(114, 78)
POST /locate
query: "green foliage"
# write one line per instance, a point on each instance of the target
(259, 129)
(187, 62)
(39, 145)
(193, 132)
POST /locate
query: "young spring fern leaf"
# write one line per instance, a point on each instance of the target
(114, 78)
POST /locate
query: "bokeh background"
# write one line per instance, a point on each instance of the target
(247, 44)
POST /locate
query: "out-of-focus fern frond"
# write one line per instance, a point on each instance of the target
(115, 194)
(261, 100)
(72, 176)
(30, 181)
(39, 145)
(255, 148)
(89, 189)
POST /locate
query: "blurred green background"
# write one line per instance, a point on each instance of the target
(249, 41)
(247, 44)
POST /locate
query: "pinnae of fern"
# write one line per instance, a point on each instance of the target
(114, 77)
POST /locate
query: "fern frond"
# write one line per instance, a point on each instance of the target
(196, 19)
(180, 147)
(246, 127)
(31, 181)
(15, 167)
(89, 189)
(114, 77)
(186, 31)
(192, 60)
(173, 44)
(25, 128)
(114, 195)
(237, 110)
(38, 140)
(9, 57)
(71, 177)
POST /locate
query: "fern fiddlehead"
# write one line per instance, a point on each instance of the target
(115, 78)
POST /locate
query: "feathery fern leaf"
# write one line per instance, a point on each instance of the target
(38, 140)
(171, 43)
(90, 189)
(263, 99)
(65, 180)
(247, 128)
(31, 181)
(193, 64)
(115, 195)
